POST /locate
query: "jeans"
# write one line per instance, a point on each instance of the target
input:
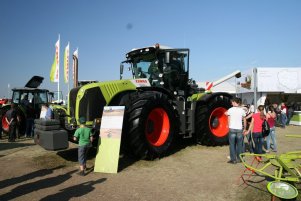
(12, 131)
(258, 141)
(29, 127)
(289, 117)
(283, 119)
(82, 154)
(235, 142)
(272, 136)
(250, 143)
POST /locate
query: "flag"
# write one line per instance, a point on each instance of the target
(54, 73)
(66, 64)
(75, 53)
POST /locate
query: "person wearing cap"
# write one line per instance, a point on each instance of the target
(84, 137)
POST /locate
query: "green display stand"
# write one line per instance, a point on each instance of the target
(282, 190)
(107, 157)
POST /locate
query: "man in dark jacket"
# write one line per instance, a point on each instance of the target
(11, 119)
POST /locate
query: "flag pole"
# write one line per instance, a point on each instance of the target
(58, 83)
(68, 67)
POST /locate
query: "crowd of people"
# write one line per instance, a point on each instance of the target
(246, 122)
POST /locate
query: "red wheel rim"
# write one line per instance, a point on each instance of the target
(5, 125)
(157, 127)
(218, 122)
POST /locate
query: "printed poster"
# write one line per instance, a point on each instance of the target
(107, 156)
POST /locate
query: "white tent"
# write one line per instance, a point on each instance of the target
(262, 85)
(281, 84)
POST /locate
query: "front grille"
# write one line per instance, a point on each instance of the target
(92, 103)
(72, 100)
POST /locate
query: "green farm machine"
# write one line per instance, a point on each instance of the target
(36, 97)
(161, 103)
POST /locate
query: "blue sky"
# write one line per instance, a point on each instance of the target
(222, 35)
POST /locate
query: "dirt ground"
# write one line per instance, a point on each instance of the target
(194, 172)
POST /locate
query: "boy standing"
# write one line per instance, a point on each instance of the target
(84, 136)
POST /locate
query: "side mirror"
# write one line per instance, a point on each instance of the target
(121, 71)
(167, 56)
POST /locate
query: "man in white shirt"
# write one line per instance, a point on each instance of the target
(236, 115)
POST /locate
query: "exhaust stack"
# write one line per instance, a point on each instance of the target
(75, 71)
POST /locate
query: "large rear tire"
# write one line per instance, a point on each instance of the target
(211, 121)
(150, 124)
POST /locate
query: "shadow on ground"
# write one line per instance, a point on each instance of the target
(13, 145)
(37, 185)
(71, 156)
(75, 191)
(125, 159)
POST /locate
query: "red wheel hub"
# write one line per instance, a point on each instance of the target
(218, 122)
(157, 127)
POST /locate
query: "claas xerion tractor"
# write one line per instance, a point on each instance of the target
(161, 103)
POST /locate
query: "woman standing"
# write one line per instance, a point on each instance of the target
(256, 128)
(271, 118)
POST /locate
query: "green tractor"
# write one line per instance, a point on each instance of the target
(34, 96)
(161, 103)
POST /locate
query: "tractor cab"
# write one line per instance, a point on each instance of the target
(162, 66)
(35, 97)
(30, 94)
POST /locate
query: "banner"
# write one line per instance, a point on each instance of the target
(66, 64)
(54, 73)
(107, 157)
(286, 79)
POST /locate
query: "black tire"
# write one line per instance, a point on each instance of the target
(47, 128)
(142, 130)
(211, 122)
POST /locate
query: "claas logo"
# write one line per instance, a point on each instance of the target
(141, 81)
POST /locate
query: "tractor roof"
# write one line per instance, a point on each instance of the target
(154, 46)
(32, 85)
(26, 89)
(144, 50)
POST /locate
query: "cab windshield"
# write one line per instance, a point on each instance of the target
(31, 96)
(141, 69)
